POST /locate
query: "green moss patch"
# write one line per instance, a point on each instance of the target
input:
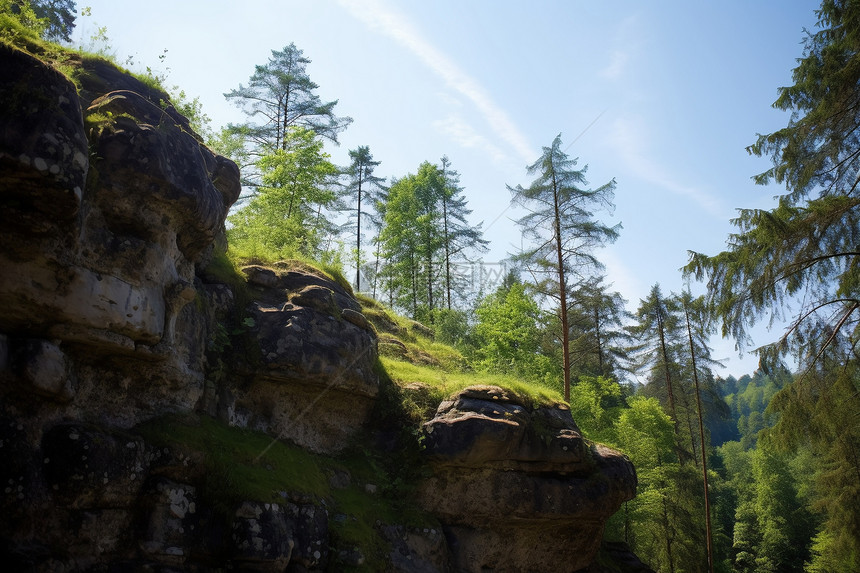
(244, 465)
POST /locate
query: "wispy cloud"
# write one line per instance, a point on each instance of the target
(628, 139)
(626, 34)
(380, 16)
(463, 133)
(617, 65)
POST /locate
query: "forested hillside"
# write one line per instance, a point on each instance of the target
(757, 473)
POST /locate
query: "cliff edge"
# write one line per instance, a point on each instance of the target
(155, 416)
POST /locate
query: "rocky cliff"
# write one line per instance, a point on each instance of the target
(159, 413)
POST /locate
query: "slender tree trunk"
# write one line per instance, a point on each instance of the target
(447, 250)
(667, 525)
(286, 120)
(358, 237)
(430, 285)
(562, 290)
(376, 267)
(414, 286)
(686, 409)
(669, 390)
(599, 342)
(665, 353)
(702, 447)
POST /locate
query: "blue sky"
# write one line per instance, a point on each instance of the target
(662, 96)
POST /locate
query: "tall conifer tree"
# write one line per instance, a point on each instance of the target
(563, 230)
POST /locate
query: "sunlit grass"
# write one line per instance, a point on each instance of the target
(425, 387)
(242, 254)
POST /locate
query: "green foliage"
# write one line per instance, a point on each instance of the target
(411, 241)
(239, 461)
(284, 219)
(19, 24)
(646, 432)
(424, 234)
(282, 92)
(362, 187)
(663, 521)
(507, 336)
(458, 236)
(772, 529)
(451, 326)
(596, 403)
(807, 244)
(192, 109)
(598, 340)
(58, 17)
(429, 386)
(799, 261)
(820, 408)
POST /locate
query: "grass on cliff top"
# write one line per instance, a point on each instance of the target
(425, 371)
(423, 388)
(243, 254)
(64, 59)
(428, 372)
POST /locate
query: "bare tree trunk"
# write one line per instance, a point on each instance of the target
(562, 291)
(358, 237)
(702, 446)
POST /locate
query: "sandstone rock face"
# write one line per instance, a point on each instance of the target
(111, 211)
(314, 381)
(517, 488)
(105, 211)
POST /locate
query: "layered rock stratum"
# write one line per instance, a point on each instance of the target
(113, 319)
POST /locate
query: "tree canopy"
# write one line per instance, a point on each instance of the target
(280, 95)
(806, 249)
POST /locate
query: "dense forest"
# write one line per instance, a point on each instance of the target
(758, 473)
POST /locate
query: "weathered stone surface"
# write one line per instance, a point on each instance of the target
(86, 467)
(108, 219)
(97, 259)
(484, 426)
(304, 345)
(416, 550)
(171, 521)
(261, 537)
(155, 178)
(309, 524)
(517, 488)
(43, 151)
(313, 380)
(44, 367)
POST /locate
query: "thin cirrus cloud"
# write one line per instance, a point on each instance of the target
(627, 138)
(457, 128)
(379, 16)
(617, 65)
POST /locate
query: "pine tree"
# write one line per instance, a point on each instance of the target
(561, 224)
(507, 333)
(424, 232)
(280, 95)
(598, 339)
(694, 314)
(800, 260)
(458, 236)
(362, 186)
(282, 219)
(658, 353)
